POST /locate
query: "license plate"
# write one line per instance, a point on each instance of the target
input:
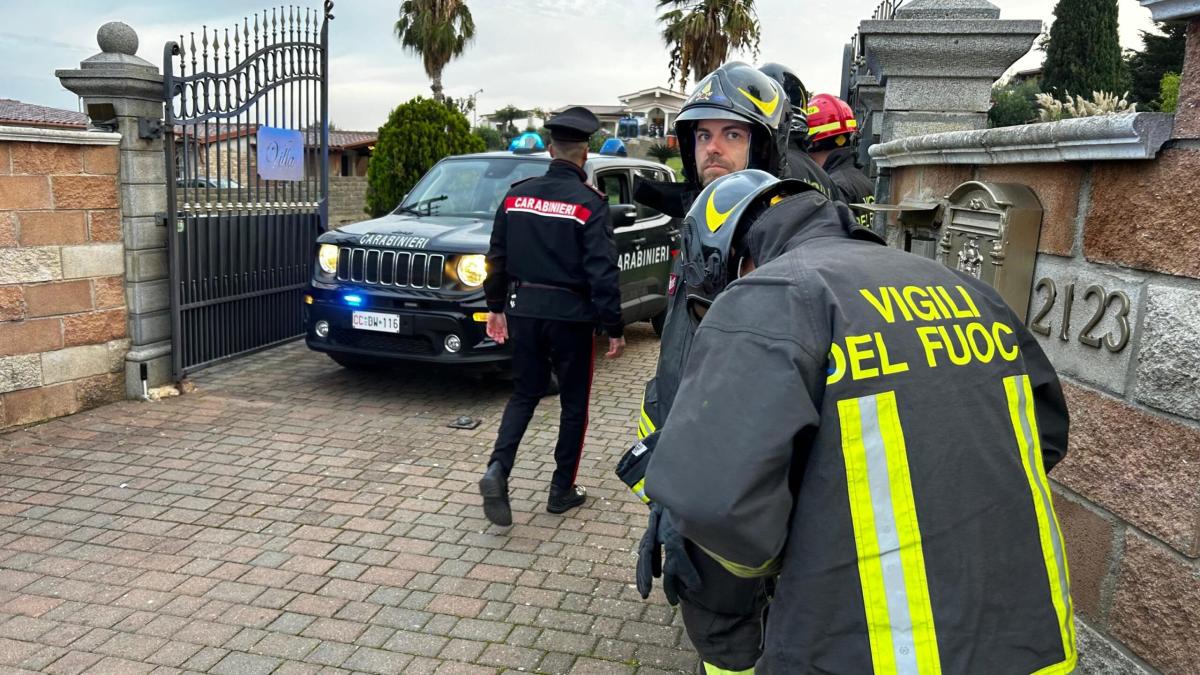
(383, 323)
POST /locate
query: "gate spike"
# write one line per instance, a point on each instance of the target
(255, 33)
(193, 34)
(182, 56)
(307, 16)
(237, 45)
(274, 27)
(227, 46)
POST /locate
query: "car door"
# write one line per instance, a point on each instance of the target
(661, 234)
(614, 182)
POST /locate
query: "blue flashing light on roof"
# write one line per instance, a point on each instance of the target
(527, 142)
(614, 146)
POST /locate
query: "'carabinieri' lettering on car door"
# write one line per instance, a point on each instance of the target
(644, 257)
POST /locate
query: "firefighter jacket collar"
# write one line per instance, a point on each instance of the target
(798, 219)
(839, 159)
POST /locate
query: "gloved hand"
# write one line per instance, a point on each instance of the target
(677, 571)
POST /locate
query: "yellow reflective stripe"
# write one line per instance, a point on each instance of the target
(769, 568)
(887, 537)
(710, 669)
(912, 553)
(646, 423)
(870, 567)
(832, 126)
(1024, 420)
(642, 431)
(639, 489)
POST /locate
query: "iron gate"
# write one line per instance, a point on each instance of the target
(241, 246)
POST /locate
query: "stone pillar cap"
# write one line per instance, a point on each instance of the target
(948, 10)
(118, 47)
(1172, 10)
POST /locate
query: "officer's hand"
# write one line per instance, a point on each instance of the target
(497, 327)
(616, 347)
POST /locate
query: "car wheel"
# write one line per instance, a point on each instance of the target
(658, 321)
(354, 362)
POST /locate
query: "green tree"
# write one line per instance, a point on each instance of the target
(506, 116)
(702, 34)
(416, 136)
(1169, 93)
(1084, 53)
(1014, 104)
(437, 31)
(1160, 54)
(491, 137)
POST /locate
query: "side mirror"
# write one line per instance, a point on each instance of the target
(623, 214)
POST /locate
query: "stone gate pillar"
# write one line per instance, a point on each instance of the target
(124, 93)
(937, 61)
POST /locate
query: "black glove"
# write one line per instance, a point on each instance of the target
(678, 573)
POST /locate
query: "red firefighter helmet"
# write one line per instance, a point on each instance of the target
(831, 122)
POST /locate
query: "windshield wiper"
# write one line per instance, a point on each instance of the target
(415, 207)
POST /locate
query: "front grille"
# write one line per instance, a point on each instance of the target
(382, 342)
(383, 267)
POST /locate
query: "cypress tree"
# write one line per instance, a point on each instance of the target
(1160, 54)
(1084, 54)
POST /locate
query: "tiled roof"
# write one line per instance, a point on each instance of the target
(221, 132)
(27, 114)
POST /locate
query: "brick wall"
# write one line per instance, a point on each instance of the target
(62, 263)
(1128, 494)
(347, 199)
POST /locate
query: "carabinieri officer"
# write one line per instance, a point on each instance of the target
(552, 276)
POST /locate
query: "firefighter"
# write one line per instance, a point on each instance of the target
(832, 141)
(712, 136)
(552, 275)
(801, 164)
(862, 428)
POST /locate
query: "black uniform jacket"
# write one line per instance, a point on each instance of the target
(842, 166)
(552, 253)
(875, 429)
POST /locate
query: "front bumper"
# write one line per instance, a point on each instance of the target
(424, 327)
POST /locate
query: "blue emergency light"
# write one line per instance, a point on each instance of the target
(353, 300)
(615, 147)
(527, 142)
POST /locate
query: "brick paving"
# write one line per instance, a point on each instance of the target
(292, 516)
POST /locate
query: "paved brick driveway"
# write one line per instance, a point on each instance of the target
(295, 517)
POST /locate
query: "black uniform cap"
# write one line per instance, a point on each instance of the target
(576, 124)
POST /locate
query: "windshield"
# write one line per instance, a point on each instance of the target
(470, 188)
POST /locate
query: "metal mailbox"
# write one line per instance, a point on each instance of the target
(990, 231)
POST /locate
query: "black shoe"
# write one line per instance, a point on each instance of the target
(562, 501)
(494, 488)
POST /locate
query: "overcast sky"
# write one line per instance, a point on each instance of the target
(543, 53)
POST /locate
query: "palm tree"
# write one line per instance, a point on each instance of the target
(437, 30)
(702, 33)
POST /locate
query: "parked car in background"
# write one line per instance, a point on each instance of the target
(409, 286)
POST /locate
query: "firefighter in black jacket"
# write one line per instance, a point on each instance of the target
(552, 276)
(832, 136)
(801, 164)
(757, 104)
(862, 428)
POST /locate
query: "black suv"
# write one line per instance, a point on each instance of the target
(409, 285)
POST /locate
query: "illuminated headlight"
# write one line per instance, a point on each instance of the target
(327, 257)
(472, 270)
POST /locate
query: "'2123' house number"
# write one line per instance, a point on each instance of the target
(1114, 341)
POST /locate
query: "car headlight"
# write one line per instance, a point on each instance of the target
(472, 270)
(327, 257)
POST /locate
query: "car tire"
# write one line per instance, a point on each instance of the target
(658, 322)
(354, 362)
